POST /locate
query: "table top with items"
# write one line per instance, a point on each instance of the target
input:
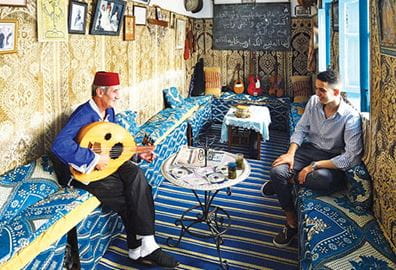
(190, 169)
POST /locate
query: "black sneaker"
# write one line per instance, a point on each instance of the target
(268, 189)
(159, 258)
(284, 238)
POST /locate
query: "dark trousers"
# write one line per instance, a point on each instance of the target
(126, 192)
(323, 180)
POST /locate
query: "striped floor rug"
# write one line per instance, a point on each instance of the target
(247, 244)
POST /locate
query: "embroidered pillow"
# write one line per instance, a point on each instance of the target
(173, 97)
(127, 120)
(359, 186)
(212, 81)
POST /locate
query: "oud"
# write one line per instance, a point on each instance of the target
(106, 138)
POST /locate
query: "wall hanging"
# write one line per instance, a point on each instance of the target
(108, 17)
(77, 17)
(8, 35)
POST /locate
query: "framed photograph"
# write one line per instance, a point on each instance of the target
(108, 17)
(172, 19)
(18, 3)
(180, 33)
(302, 11)
(387, 21)
(334, 15)
(140, 14)
(77, 17)
(129, 28)
(158, 13)
(8, 36)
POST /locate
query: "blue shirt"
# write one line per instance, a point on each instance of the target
(339, 134)
(65, 146)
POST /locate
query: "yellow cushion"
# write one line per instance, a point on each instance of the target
(212, 81)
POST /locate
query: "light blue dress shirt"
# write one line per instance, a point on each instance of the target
(340, 134)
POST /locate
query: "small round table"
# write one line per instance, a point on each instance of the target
(210, 179)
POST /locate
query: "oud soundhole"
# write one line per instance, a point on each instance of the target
(116, 150)
(107, 136)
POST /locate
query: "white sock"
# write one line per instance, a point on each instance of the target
(134, 254)
(148, 244)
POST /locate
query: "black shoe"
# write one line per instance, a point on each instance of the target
(268, 189)
(284, 238)
(159, 258)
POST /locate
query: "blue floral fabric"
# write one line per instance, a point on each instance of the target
(359, 186)
(296, 112)
(173, 97)
(127, 120)
(161, 123)
(200, 100)
(94, 235)
(36, 219)
(201, 118)
(336, 234)
(51, 258)
(24, 186)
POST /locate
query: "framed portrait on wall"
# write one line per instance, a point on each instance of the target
(140, 14)
(77, 17)
(386, 26)
(180, 33)
(129, 28)
(18, 3)
(8, 36)
(108, 17)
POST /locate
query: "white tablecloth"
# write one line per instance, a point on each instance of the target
(259, 120)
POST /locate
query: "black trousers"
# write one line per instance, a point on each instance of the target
(325, 181)
(126, 192)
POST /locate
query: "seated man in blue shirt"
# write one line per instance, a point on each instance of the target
(126, 191)
(326, 142)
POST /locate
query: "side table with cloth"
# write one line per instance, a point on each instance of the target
(210, 178)
(258, 121)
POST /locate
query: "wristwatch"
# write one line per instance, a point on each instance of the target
(314, 165)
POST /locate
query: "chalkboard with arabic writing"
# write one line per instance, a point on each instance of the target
(255, 27)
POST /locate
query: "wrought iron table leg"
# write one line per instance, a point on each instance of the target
(216, 218)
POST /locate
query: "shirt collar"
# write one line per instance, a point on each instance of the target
(96, 109)
(342, 108)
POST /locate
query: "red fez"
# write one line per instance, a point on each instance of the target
(103, 78)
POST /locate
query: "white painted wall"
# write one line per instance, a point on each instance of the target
(207, 10)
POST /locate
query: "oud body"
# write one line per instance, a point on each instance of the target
(106, 138)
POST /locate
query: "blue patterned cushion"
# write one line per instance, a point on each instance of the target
(359, 186)
(127, 119)
(173, 97)
(37, 219)
(162, 123)
(296, 112)
(201, 100)
(26, 185)
(335, 234)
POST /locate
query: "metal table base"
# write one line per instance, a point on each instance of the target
(217, 220)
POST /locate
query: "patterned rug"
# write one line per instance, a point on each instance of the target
(255, 221)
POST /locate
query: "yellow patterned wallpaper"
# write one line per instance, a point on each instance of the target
(381, 141)
(43, 82)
